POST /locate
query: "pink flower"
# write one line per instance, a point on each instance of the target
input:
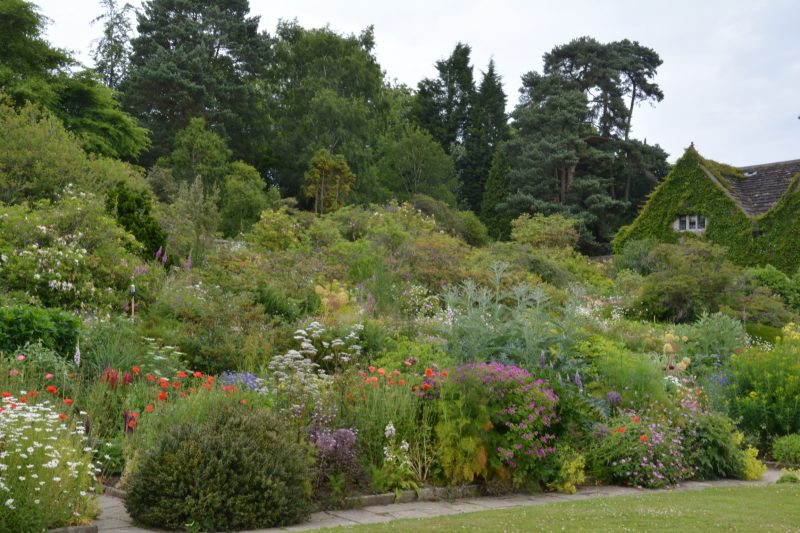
(48, 376)
(20, 357)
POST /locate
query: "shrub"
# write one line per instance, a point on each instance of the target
(786, 449)
(764, 390)
(713, 339)
(540, 231)
(520, 411)
(47, 474)
(569, 471)
(642, 450)
(55, 329)
(275, 230)
(462, 224)
(235, 470)
(635, 256)
(688, 278)
(713, 446)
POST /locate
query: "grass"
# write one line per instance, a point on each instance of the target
(773, 508)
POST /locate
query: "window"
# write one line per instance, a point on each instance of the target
(693, 223)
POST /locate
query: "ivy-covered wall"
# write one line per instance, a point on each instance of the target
(688, 190)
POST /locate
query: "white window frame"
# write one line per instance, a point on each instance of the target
(690, 224)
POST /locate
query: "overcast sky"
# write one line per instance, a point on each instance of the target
(731, 72)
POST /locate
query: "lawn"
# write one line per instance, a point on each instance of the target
(768, 508)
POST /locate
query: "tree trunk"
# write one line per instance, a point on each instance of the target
(628, 121)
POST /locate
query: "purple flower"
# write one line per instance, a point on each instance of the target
(613, 398)
(158, 254)
(164, 258)
(189, 262)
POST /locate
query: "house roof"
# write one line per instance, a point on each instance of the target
(760, 187)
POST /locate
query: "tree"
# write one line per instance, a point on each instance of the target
(442, 105)
(198, 153)
(112, 50)
(131, 208)
(324, 90)
(497, 220)
(416, 164)
(31, 70)
(328, 181)
(194, 58)
(243, 199)
(571, 154)
(191, 222)
(488, 127)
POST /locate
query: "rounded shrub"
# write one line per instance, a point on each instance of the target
(235, 470)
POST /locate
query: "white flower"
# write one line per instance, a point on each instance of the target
(389, 432)
(10, 503)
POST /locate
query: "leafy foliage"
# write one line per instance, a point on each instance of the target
(252, 476)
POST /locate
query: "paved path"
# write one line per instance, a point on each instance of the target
(114, 519)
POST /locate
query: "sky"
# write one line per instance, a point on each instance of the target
(731, 71)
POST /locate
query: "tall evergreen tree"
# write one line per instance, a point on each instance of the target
(571, 154)
(496, 219)
(488, 127)
(194, 58)
(442, 105)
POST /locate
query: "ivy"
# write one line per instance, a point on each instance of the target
(687, 190)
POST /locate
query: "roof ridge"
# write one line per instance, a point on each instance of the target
(769, 164)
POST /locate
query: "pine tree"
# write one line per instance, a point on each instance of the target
(488, 127)
(194, 58)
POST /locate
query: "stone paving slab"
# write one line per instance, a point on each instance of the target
(114, 519)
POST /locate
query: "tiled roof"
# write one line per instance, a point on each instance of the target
(762, 186)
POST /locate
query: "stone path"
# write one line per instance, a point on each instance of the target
(114, 519)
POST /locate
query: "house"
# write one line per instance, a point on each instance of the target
(754, 211)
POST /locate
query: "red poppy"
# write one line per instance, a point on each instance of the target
(244, 401)
(381, 371)
(643, 438)
(33, 394)
(6, 394)
(177, 385)
(621, 429)
(164, 384)
(396, 372)
(1, 409)
(414, 387)
(181, 374)
(62, 416)
(131, 422)
(392, 382)
(52, 389)
(183, 395)
(198, 374)
(429, 372)
(426, 386)
(162, 396)
(362, 373)
(23, 400)
(149, 408)
(635, 418)
(401, 382)
(136, 370)
(134, 415)
(150, 377)
(191, 389)
(371, 369)
(443, 373)
(68, 401)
